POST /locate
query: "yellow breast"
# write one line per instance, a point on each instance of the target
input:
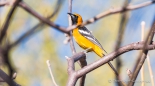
(85, 43)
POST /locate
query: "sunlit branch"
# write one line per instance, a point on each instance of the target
(99, 16)
(142, 56)
(74, 75)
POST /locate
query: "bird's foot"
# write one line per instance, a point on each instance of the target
(87, 50)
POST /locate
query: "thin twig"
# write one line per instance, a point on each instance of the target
(8, 19)
(82, 62)
(114, 11)
(14, 75)
(142, 39)
(33, 30)
(49, 67)
(70, 23)
(142, 56)
(120, 35)
(129, 73)
(41, 18)
(150, 70)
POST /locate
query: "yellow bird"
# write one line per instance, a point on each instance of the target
(85, 39)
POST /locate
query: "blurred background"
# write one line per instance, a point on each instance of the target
(29, 57)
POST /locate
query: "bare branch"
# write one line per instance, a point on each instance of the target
(41, 18)
(120, 36)
(14, 75)
(33, 30)
(113, 11)
(142, 56)
(7, 21)
(70, 23)
(118, 10)
(113, 55)
(142, 39)
(49, 67)
(4, 2)
(74, 75)
(150, 70)
(7, 79)
(99, 16)
(71, 69)
(129, 73)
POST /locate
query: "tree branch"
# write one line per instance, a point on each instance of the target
(74, 75)
(3, 3)
(120, 35)
(41, 18)
(8, 19)
(33, 29)
(113, 11)
(142, 56)
(99, 16)
(7, 79)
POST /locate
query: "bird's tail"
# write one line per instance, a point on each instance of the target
(112, 67)
(100, 52)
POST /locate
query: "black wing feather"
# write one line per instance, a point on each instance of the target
(87, 34)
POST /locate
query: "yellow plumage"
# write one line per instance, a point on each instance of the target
(86, 44)
(85, 39)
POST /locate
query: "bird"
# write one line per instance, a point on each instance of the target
(85, 39)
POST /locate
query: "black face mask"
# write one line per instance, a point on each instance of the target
(74, 19)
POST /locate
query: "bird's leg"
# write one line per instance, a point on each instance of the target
(88, 49)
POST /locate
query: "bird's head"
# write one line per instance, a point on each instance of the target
(76, 19)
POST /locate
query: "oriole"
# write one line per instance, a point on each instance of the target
(85, 39)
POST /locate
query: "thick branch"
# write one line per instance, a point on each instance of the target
(7, 79)
(99, 16)
(102, 61)
(113, 55)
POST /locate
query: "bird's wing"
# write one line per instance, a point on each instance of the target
(88, 35)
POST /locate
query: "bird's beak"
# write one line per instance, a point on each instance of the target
(70, 14)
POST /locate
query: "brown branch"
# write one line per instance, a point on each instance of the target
(6, 2)
(70, 23)
(3, 3)
(8, 19)
(99, 16)
(71, 69)
(7, 79)
(118, 10)
(82, 62)
(41, 18)
(114, 11)
(35, 28)
(120, 36)
(142, 56)
(74, 75)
